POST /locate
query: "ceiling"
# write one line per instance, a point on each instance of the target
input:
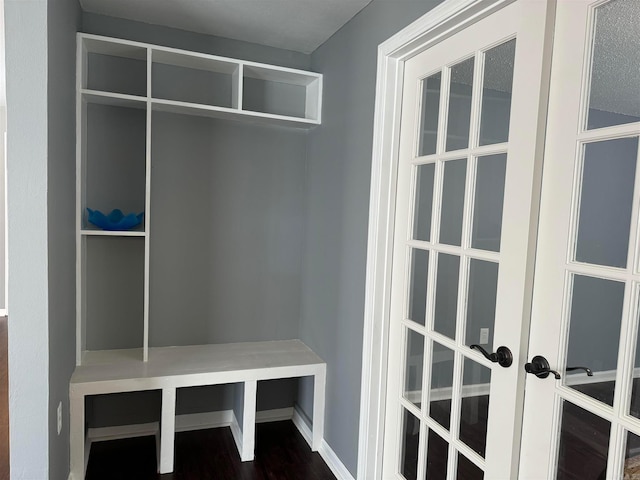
(299, 25)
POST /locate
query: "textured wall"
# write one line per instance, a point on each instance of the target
(338, 178)
(26, 60)
(198, 42)
(63, 23)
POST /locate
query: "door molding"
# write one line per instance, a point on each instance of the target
(443, 21)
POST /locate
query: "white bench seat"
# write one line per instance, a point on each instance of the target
(169, 368)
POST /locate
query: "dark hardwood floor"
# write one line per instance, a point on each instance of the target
(4, 401)
(281, 454)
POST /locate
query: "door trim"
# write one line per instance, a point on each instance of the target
(443, 21)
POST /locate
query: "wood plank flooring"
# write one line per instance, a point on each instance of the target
(4, 401)
(281, 454)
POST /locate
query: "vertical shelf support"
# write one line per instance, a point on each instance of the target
(167, 429)
(319, 382)
(249, 420)
(147, 211)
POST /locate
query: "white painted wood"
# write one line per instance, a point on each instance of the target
(167, 427)
(108, 233)
(103, 371)
(212, 111)
(569, 92)
(102, 434)
(202, 421)
(147, 215)
(238, 69)
(249, 420)
(450, 17)
(168, 368)
(280, 75)
(333, 462)
(328, 455)
(275, 415)
(319, 382)
(301, 422)
(195, 61)
(505, 406)
(236, 432)
(114, 99)
(237, 88)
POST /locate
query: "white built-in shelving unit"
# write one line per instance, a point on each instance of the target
(120, 84)
(133, 80)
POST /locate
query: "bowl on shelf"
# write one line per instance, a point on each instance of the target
(116, 220)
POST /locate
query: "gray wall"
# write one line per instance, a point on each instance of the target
(26, 61)
(197, 42)
(63, 23)
(226, 234)
(338, 182)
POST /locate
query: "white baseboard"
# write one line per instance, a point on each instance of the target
(236, 431)
(333, 462)
(224, 418)
(299, 419)
(275, 415)
(202, 421)
(102, 434)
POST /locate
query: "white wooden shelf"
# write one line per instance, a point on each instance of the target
(169, 368)
(114, 99)
(101, 371)
(211, 111)
(111, 233)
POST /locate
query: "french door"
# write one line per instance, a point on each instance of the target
(587, 278)
(472, 134)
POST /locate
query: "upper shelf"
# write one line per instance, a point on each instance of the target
(132, 74)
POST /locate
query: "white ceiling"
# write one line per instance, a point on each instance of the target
(299, 25)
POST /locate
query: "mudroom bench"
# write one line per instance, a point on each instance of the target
(170, 368)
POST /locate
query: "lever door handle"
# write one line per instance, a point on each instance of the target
(539, 366)
(502, 356)
(586, 369)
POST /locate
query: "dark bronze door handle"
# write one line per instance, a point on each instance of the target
(539, 366)
(588, 370)
(502, 356)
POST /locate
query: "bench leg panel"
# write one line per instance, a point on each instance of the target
(319, 382)
(249, 421)
(168, 429)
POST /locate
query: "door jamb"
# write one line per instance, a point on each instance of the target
(443, 21)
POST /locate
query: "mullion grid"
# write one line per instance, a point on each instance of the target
(465, 253)
(458, 345)
(618, 415)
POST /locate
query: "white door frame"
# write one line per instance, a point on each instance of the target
(441, 22)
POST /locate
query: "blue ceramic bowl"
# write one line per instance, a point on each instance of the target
(116, 220)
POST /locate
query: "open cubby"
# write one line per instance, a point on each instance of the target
(114, 285)
(278, 92)
(115, 171)
(115, 67)
(129, 408)
(194, 79)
